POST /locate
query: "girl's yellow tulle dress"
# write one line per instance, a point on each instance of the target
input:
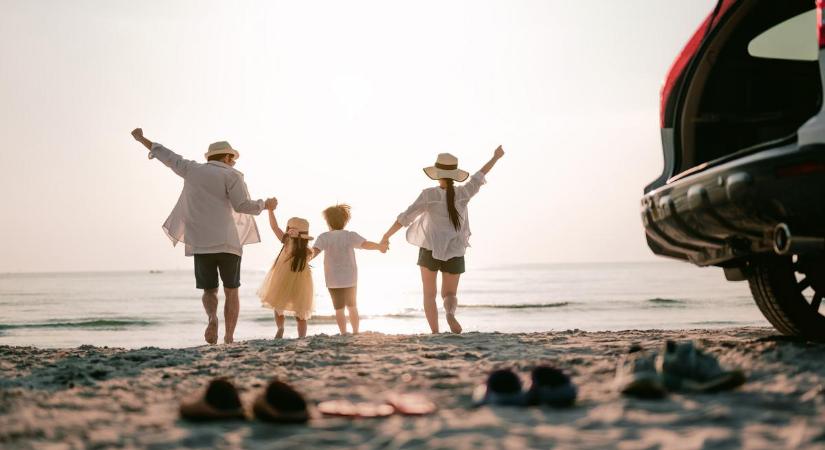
(287, 292)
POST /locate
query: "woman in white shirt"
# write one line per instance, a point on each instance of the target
(439, 226)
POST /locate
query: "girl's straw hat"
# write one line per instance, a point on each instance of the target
(221, 148)
(446, 166)
(300, 226)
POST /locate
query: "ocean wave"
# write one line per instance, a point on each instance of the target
(331, 318)
(666, 301)
(396, 316)
(96, 323)
(518, 306)
(23, 294)
(313, 319)
(704, 323)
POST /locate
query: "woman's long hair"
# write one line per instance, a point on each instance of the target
(455, 218)
(299, 252)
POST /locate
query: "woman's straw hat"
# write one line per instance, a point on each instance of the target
(301, 226)
(446, 166)
(221, 148)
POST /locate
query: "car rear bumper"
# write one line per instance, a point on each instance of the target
(728, 212)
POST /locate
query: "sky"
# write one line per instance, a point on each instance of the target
(327, 102)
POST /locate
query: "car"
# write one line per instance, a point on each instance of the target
(743, 137)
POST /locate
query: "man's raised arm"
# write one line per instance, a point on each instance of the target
(137, 133)
(169, 158)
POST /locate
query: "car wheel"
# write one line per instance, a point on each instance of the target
(789, 292)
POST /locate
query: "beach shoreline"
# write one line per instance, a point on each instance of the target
(98, 397)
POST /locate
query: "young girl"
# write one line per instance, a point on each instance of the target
(439, 225)
(287, 287)
(340, 269)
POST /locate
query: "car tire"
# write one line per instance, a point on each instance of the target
(789, 291)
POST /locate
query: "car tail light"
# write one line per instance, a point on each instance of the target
(688, 52)
(820, 30)
(678, 67)
(806, 168)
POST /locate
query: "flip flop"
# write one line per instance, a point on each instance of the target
(219, 401)
(280, 403)
(503, 387)
(346, 408)
(411, 404)
(550, 386)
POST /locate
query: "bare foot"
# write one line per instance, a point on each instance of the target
(211, 333)
(455, 327)
(279, 334)
(228, 339)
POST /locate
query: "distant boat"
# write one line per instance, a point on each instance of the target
(155, 271)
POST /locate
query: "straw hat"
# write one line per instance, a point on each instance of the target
(446, 166)
(301, 226)
(221, 148)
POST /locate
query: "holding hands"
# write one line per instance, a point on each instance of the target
(271, 203)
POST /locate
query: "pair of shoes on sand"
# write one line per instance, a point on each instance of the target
(548, 386)
(280, 403)
(681, 367)
(405, 404)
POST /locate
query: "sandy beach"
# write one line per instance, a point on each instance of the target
(91, 397)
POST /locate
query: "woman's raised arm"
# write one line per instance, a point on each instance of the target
(497, 154)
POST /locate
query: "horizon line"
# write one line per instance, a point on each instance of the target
(486, 267)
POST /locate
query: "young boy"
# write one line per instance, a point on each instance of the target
(340, 269)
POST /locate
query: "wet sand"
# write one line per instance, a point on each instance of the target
(91, 397)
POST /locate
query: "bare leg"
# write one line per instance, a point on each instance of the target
(428, 279)
(341, 319)
(210, 305)
(354, 319)
(449, 289)
(302, 327)
(231, 307)
(279, 322)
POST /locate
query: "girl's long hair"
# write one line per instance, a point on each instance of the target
(299, 253)
(455, 218)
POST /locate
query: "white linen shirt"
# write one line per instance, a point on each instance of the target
(212, 214)
(340, 268)
(429, 223)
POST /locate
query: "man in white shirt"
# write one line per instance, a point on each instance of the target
(213, 220)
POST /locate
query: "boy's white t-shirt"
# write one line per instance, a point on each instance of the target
(340, 269)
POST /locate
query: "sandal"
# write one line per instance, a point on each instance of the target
(219, 401)
(280, 403)
(346, 408)
(552, 387)
(503, 387)
(411, 404)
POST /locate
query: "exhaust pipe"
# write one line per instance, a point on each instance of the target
(784, 243)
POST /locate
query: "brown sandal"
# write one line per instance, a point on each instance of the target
(280, 403)
(219, 401)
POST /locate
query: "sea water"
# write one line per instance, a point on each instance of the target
(137, 309)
